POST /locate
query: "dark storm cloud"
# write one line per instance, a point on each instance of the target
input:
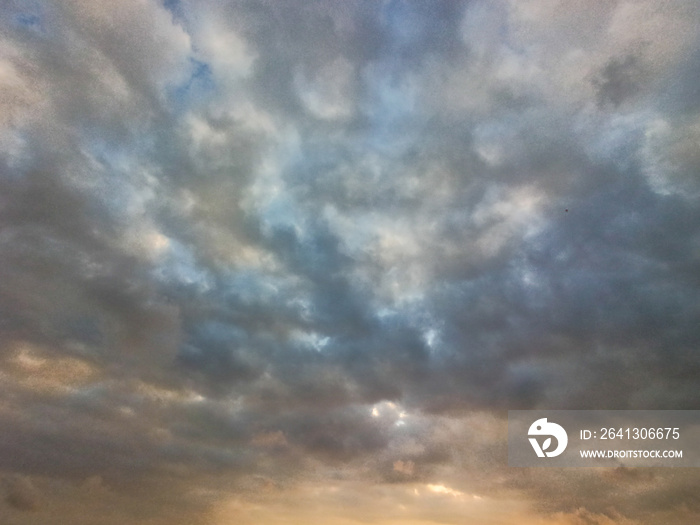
(249, 239)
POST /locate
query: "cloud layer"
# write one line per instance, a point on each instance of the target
(254, 254)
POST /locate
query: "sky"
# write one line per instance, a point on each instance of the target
(273, 262)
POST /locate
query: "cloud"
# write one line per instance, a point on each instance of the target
(22, 495)
(249, 250)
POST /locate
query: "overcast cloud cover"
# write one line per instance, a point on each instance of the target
(272, 262)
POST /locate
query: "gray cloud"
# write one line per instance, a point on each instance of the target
(248, 244)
